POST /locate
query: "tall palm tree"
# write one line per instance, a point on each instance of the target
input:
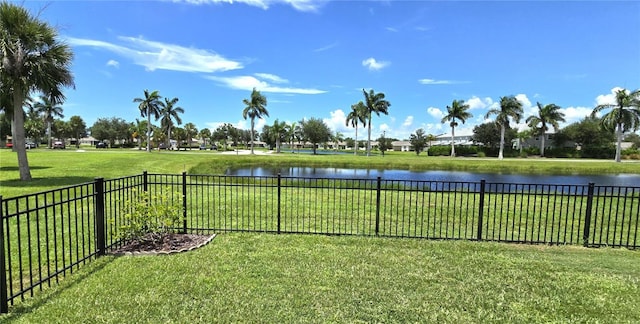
(624, 115)
(375, 103)
(456, 112)
(49, 110)
(32, 59)
(149, 106)
(190, 131)
(169, 114)
(510, 107)
(204, 134)
(547, 115)
(256, 107)
(358, 114)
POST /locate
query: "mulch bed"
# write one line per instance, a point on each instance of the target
(165, 244)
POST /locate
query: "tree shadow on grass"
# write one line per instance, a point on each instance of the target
(15, 168)
(46, 182)
(29, 305)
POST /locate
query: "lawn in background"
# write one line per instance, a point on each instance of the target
(304, 278)
(55, 168)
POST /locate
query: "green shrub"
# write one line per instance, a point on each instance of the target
(149, 217)
(481, 154)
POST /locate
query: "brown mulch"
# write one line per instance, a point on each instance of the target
(165, 244)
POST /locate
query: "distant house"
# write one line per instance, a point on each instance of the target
(460, 138)
(536, 141)
(401, 146)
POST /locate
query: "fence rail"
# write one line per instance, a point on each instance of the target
(45, 236)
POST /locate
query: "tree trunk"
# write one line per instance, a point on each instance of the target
(252, 125)
(500, 155)
(277, 145)
(18, 139)
(453, 147)
(619, 141)
(369, 138)
(542, 144)
(148, 131)
(355, 149)
(49, 144)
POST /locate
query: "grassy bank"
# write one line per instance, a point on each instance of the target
(289, 278)
(52, 169)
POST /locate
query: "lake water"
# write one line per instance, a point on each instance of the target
(625, 180)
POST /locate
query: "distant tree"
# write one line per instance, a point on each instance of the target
(375, 103)
(489, 134)
(418, 141)
(315, 131)
(357, 115)
(633, 138)
(223, 133)
(457, 111)
(384, 143)
(548, 115)
(180, 135)
(256, 107)
(78, 128)
(169, 115)
(510, 107)
(32, 59)
(138, 131)
(110, 129)
(336, 138)
(190, 131)
(430, 138)
(49, 110)
(624, 115)
(149, 105)
(522, 136)
(350, 143)
(34, 126)
(205, 135)
(586, 133)
(279, 133)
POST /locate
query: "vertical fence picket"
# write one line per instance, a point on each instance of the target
(587, 215)
(4, 301)
(480, 210)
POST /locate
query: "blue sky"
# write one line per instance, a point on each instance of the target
(312, 58)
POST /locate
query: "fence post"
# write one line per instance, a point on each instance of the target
(98, 191)
(481, 209)
(279, 183)
(4, 301)
(378, 186)
(145, 181)
(184, 202)
(587, 215)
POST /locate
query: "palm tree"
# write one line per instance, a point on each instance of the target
(149, 105)
(256, 107)
(375, 103)
(457, 111)
(204, 135)
(50, 110)
(32, 59)
(358, 114)
(624, 115)
(430, 138)
(523, 136)
(510, 107)
(547, 115)
(170, 113)
(279, 131)
(337, 138)
(190, 131)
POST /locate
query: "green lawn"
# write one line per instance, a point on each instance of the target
(292, 278)
(55, 168)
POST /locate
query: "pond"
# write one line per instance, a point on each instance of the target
(625, 180)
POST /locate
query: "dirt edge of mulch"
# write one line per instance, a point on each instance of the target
(169, 244)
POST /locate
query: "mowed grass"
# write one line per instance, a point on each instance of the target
(304, 278)
(55, 168)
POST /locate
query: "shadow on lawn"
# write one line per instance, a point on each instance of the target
(30, 304)
(49, 181)
(15, 168)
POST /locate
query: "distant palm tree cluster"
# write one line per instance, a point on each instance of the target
(34, 61)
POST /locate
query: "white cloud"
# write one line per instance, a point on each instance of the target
(526, 103)
(247, 82)
(608, 99)
(479, 103)
(408, 121)
(271, 77)
(574, 114)
(325, 48)
(337, 121)
(374, 65)
(435, 112)
(391, 29)
(160, 56)
(113, 63)
(433, 81)
(300, 5)
(383, 128)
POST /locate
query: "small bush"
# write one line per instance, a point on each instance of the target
(149, 216)
(481, 154)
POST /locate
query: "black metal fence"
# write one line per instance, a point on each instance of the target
(47, 235)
